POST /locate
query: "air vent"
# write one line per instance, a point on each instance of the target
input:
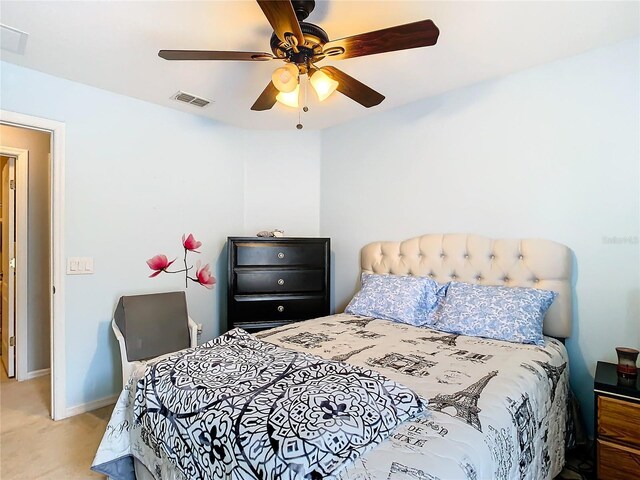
(13, 40)
(199, 102)
(191, 99)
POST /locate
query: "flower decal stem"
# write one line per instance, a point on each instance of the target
(186, 277)
(160, 263)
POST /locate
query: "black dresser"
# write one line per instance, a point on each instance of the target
(276, 281)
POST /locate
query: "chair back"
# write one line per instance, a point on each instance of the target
(153, 324)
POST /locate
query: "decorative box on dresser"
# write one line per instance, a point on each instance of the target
(617, 416)
(276, 281)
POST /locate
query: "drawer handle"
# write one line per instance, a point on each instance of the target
(281, 281)
(280, 308)
(281, 255)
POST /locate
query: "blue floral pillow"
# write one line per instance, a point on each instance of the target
(400, 298)
(512, 314)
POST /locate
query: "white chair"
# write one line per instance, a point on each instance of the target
(151, 326)
(127, 366)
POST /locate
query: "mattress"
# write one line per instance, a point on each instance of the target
(498, 409)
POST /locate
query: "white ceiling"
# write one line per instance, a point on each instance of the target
(114, 45)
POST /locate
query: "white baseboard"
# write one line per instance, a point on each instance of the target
(94, 405)
(38, 373)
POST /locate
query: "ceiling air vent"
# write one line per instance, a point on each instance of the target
(191, 99)
(12, 39)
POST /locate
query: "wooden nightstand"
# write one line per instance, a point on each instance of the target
(617, 416)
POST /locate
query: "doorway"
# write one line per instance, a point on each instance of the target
(26, 251)
(56, 130)
(7, 269)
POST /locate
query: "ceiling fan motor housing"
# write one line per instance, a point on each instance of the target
(315, 38)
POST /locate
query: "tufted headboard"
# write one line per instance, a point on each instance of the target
(474, 259)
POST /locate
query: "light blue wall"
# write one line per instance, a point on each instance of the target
(552, 152)
(138, 176)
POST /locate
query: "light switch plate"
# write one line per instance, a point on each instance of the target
(79, 265)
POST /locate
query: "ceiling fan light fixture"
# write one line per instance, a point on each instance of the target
(290, 99)
(285, 79)
(323, 84)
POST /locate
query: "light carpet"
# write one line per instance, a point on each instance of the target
(34, 447)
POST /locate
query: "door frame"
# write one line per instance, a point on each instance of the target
(21, 305)
(57, 320)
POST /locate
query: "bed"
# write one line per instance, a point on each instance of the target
(495, 409)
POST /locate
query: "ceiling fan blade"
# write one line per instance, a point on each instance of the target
(402, 37)
(267, 98)
(213, 55)
(282, 18)
(354, 89)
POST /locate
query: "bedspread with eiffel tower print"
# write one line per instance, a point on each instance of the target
(498, 409)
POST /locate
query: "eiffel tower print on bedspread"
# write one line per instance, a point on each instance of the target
(343, 357)
(465, 402)
(361, 322)
(449, 340)
(553, 373)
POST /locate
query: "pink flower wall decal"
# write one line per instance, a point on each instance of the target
(159, 263)
(203, 275)
(191, 243)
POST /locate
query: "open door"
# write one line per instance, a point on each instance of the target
(8, 265)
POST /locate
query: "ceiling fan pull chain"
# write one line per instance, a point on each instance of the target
(304, 108)
(306, 88)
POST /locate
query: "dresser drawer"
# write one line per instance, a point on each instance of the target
(617, 462)
(279, 281)
(619, 421)
(260, 325)
(274, 254)
(249, 309)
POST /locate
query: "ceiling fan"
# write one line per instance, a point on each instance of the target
(302, 45)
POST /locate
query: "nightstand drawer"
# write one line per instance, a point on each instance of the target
(249, 309)
(273, 254)
(617, 462)
(619, 421)
(279, 281)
